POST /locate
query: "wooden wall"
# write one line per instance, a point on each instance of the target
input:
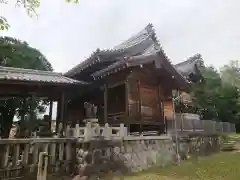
(168, 109)
(143, 90)
(116, 99)
(75, 113)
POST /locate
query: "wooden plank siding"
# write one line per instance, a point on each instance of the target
(149, 99)
(150, 102)
(168, 109)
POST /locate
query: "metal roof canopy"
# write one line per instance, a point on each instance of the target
(28, 82)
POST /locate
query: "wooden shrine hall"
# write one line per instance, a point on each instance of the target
(132, 84)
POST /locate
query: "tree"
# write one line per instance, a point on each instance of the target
(230, 74)
(204, 92)
(216, 96)
(227, 104)
(17, 53)
(29, 5)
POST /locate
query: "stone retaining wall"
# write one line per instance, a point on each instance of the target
(142, 153)
(199, 145)
(133, 154)
(129, 155)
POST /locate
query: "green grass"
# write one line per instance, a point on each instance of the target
(234, 135)
(223, 166)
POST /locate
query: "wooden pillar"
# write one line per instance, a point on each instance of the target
(60, 111)
(161, 108)
(22, 115)
(31, 107)
(139, 105)
(127, 105)
(50, 114)
(105, 103)
(126, 99)
(160, 101)
(58, 114)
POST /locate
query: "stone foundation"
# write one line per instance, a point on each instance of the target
(129, 155)
(199, 145)
(143, 153)
(132, 154)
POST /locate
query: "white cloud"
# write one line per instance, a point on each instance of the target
(68, 33)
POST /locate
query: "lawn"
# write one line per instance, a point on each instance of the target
(223, 166)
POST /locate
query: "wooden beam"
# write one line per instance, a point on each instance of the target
(113, 85)
(105, 103)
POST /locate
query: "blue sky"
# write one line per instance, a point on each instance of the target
(67, 33)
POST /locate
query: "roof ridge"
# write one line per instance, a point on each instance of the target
(152, 31)
(29, 71)
(84, 61)
(149, 30)
(21, 74)
(189, 59)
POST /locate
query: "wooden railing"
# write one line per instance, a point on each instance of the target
(197, 125)
(88, 132)
(20, 157)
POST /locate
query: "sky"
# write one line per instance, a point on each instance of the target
(68, 33)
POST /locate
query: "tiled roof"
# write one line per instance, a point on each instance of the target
(19, 74)
(158, 58)
(144, 42)
(144, 37)
(189, 66)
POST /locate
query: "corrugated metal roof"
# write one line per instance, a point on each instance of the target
(19, 74)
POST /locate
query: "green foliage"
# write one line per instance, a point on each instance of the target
(3, 24)
(216, 96)
(231, 74)
(17, 53)
(204, 92)
(14, 52)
